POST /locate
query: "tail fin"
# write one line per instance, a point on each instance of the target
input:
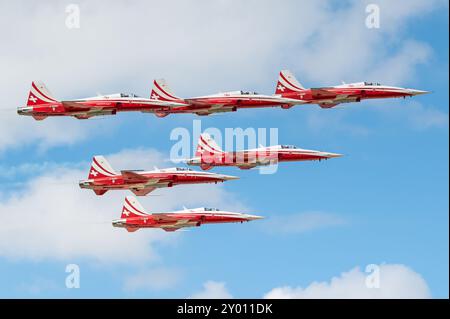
(132, 208)
(162, 92)
(287, 83)
(206, 144)
(100, 168)
(39, 94)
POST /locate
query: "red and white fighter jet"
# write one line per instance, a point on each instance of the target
(135, 217)
(103, 178)
(41, 104)
(327, 97)
(215, 103)
(209, 154)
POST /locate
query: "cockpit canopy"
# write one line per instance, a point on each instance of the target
(288, 146)
(182, 169)
(230, 93)
(248, 93)
(128, 95)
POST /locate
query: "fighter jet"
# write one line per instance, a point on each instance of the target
(215, 103)
(41, 104)
(328, 97)
(102, 178)
(209, 154)
(135, 217)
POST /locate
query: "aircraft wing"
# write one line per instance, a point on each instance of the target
(322, 94)
(340, 98)
(164, 217)
(174, 105)
(207, 104)
(251, 157)
(213, 109)
(133, 177)
(179, 224)
(198, 102)
(69, 105)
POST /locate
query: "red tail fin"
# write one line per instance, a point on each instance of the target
(100, 168)
(132, 208)
(162, 92)
(39, 94)
(287, 83)
(206, 144)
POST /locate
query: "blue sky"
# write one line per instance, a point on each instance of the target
(385, 202)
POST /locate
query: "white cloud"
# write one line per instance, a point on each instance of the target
(52, 218)
(395, 281)
(343, 48)
(37, 286)
(422, 117)
(400, 68)
(325, 121)
(301, 222)
(32, 168)
(415, 114)
(152, 279)
(168, 39)
(427, 117)
(212, 290)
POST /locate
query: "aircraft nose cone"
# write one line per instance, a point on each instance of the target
(332, 155)
(254, 217)
(229, 177)
(417, 92)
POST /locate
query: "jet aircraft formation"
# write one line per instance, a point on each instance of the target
(162, 102)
